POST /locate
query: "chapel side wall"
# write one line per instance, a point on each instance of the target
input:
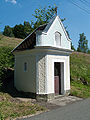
(25, 81)
(50, 70)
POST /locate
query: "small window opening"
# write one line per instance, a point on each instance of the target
(25, 67)
(58, 38)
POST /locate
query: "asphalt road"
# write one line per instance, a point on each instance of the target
(76, 111)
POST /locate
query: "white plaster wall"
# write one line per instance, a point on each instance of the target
(49, 38)
(25, 81)
(38, 38)
(50, 72)
(39, 77)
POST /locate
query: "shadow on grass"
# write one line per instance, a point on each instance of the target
(8, 86)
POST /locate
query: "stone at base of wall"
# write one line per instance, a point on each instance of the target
(47, 97)
(67, 92)
(42, 97)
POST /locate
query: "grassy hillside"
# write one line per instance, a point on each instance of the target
(80, 66)
(80, 74)
(9, 41)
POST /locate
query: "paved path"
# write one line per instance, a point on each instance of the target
(76, 111)
(62, 101)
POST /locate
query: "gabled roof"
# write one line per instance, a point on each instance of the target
(49, 24)
(30, 41)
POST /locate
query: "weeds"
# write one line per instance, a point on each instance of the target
(12, 108)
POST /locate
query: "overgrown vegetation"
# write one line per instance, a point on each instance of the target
(6, 62)
(83, 44)
(12, 108)
(6, 58)
(80, 74)
(80, 90)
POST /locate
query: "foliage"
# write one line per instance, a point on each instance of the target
(72, 47)
(80, 74)
(80, 67)
(82, 44)
(41, 16)
(89, 51)
(6, 57)
(1, 116)
(18, 31)
(44, 14)
(11, 108)
(21, 31)
(15, 108)
(27, 28)
(8, 31)
(6, 61)
(80, 90)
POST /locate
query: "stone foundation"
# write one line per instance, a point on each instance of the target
(42, 97)
(67, 92)
(45, 97)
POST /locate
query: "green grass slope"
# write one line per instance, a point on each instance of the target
(80, 74)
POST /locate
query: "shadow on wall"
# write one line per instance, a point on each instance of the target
(8, 85)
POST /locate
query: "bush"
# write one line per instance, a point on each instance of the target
(6, 61)
(1, 117)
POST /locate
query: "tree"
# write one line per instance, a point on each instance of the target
(89, 51)
(18, 31)
(8, 31)
(82, 44)
(72, 47)
(27, 28)
(6, 61)
(43, 15)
